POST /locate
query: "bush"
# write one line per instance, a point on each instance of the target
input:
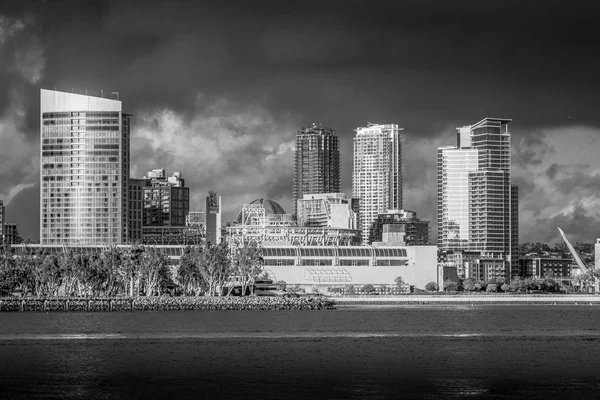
(368, 288)
(450, 285)
(431, 287)
(492, 287)
(505, 287)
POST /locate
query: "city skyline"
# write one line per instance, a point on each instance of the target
(234, 127)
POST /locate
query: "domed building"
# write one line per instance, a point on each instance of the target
(271, 208)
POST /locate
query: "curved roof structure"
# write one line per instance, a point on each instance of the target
(271, 207)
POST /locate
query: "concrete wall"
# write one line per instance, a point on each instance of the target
(421, 269)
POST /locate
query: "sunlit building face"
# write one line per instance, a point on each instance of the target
(84, 169)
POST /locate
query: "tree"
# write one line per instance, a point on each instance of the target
(450, 285)
(368, 288)
(281, 285)
(400, 282)
(492, 287)
(505, 288)
(214, 266)
(469, 284)
(154, 262)
(431, 287)
(49, 276)
(189, 276)
(349, 289)
(247, 264)
(131, 266)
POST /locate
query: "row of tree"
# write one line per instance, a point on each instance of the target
(132, 271)
(515, 285)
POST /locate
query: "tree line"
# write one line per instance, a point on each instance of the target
(132, 271)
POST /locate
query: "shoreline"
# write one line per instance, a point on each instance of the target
(32, 304)
(584, 299)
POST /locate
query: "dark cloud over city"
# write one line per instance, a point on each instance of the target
(218, 91)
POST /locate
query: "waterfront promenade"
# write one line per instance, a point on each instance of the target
(513, 299)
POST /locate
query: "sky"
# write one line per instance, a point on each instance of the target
(218, 91)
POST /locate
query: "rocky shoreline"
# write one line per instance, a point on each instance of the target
(471, 300)
(162, 304)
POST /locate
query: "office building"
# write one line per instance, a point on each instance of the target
(546, 267)
(333, 210)
(84, 169)
(377, 173)
(477, 203)
(136, 210)
(166, 199)
(212, 214)
(400, 227)
(11, 234)
(316, 162)
(195, 219)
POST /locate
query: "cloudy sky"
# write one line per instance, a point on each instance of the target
(219, 89)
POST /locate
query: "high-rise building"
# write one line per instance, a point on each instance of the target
(11, 234)
(166, 199)
(84, 169)
(477, 203)
(136, 210)
(195, 219)
(326, 210)
(316, 162)
(377, 174)
(213, 218)
(400, 227)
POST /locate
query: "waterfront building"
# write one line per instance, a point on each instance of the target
(195, 218)
(84, 169)
(265, 222)
(213, 218)
(320, 266)
(11, 234)
(400, 227)
(477, 202)
(173, 235)
(136, 210)
(316, 162)
(377, 173)
(166, 199)
(333, 210)
(546, 267)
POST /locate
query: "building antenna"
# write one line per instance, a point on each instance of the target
(117, 93)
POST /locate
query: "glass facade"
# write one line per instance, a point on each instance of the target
(477, 204)
(84, 170)
(377, 173)
(316, 162)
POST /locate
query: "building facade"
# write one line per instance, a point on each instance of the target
(11, 234)
(333, 210)
(84, 169)
(477, 202)
(136, 210)
(166, 199)
(316, 162)
(213, 218)
(400, 227)
(377, 173)
(546, 267)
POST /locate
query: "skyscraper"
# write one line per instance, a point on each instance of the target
(166, 199)
(84, 169)
(377, 174)
(477, 203)
(316, 163)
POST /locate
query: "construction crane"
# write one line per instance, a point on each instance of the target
(578, 259)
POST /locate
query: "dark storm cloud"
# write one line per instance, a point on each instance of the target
(427, 65)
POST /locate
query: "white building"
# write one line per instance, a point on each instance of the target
(326, 210)
(84, 169)
(377, 174)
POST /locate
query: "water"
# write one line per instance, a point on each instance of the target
(375, 352)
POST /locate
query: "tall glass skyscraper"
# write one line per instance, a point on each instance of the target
(377, 173)
(477, 204)
(84, 169)
(316, 163)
